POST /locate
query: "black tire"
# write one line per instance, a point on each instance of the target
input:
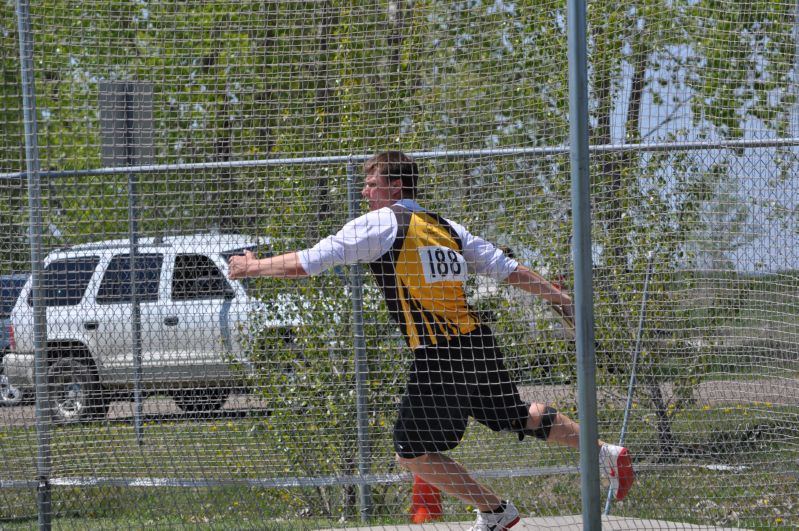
(201, 400)
(75, 391)
(9, 395)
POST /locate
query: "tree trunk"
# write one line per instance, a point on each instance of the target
(323, 95)
(350, 491)
(663, 423)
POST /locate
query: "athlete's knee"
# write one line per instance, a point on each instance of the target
(542, 418)
(410, 462)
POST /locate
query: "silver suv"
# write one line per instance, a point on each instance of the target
(10, 286)
(194, 323)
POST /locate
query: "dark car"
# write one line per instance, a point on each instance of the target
(10, 286)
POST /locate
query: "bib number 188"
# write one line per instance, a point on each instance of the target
(442, 264)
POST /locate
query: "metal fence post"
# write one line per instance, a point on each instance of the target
(361, 369)
(133, 235)
(581, 248)
(43, 458)
(126, 132)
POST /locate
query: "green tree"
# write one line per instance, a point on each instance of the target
(13, 204)
(250, 80)
(729, 64)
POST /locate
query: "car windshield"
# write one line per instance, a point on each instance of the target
(9, 291)
(261, 251)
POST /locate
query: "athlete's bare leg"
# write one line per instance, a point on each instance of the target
(563, 431)
(452, 478)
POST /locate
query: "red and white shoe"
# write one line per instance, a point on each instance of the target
(616, 463)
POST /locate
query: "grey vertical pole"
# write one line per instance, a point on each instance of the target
(43, 459)
(581, 249)
(795, 109)
(636, 353)
(133, 237)
(361, 369)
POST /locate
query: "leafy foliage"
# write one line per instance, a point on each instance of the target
(311, 387)
(251, 80)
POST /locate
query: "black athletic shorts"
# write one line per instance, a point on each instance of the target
(448, 384)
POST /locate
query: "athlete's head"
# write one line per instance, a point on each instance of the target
(390, 176)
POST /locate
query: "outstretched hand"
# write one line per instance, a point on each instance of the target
(237, 265)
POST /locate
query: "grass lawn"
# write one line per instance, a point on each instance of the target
(728, 468)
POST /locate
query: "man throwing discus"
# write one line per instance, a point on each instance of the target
(421, 260)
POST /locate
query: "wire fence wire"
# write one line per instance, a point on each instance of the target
(174, 135)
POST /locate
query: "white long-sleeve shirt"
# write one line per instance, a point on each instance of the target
(370, 236)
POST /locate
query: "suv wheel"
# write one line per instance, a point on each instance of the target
(75, 392)
(9, 395)
(197, 400)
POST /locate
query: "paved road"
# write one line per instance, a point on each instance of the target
(561, 523)
(154, 408)
(775, 391)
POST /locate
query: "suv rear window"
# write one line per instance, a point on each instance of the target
(65, 281)
(196, 277)
(261, 251)
(9, 291)
(116, 285)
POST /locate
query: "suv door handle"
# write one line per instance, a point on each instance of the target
(171, 321)
(91, 325)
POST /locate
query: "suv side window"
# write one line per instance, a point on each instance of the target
(196, 277)
(65, 281)
(116, 285)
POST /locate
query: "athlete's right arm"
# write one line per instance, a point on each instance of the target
(248, 266)
(361, 240)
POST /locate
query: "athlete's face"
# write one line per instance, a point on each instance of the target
(379, 192)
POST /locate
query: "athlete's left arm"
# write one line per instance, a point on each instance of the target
(532, 282)
(486, 259)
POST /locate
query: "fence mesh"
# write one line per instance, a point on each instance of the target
(183, 133)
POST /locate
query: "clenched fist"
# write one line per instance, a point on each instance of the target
(238, 265)
(566, 314)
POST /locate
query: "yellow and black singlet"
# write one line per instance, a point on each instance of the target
(422, 278)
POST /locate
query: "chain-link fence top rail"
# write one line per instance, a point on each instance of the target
(245, 122)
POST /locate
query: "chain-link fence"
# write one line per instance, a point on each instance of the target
(144, 387)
